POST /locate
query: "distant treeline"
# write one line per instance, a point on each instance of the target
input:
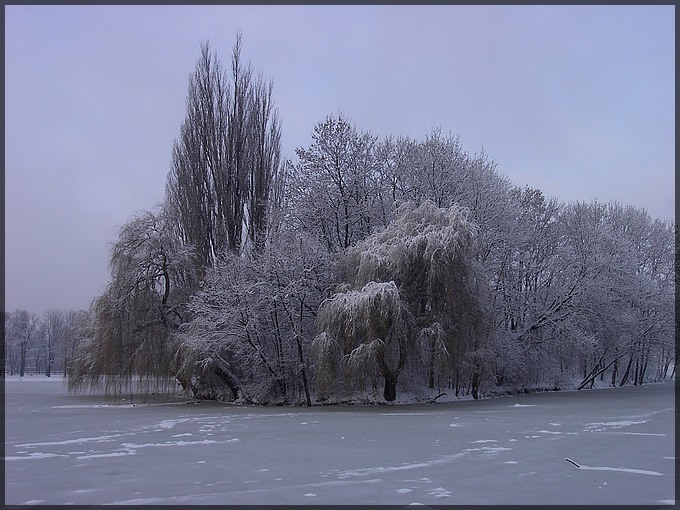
(40, 344)
(365, 267)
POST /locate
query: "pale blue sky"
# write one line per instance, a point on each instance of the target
(578, 101)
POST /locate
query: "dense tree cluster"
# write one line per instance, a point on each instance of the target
(41, 344)
(364, 268)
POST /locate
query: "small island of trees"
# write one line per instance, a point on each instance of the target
(364, 268)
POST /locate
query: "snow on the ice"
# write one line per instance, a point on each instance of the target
(80, 440)
(35, 455)
(641, 433)
(134, 446)
(613, 424)
(168, 424)
(488, 449)
(104, 455)
(466, 452)
(440, 492)
(624, 470)
(404, 414)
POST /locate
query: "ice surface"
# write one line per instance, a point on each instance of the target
(498, 451)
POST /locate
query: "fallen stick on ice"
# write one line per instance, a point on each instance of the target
(606, 468)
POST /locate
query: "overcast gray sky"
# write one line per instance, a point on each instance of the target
(578, 101)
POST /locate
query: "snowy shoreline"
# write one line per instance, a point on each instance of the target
(425, 396)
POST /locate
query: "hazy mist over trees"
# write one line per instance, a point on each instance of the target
(360, 270)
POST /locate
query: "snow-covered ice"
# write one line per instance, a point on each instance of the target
(82, 449)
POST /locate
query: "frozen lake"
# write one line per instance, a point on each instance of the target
(79, 449)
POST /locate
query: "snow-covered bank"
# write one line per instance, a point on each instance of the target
(64, 448)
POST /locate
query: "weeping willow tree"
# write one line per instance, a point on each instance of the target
(414, 292)
(128, 343)
(368, 327)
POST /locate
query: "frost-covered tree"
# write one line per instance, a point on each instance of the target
(629, 308)
(368, 327)
(52, 333)
(336, 184)
(574, 300)
(522, 263)
(395, 158)
(253, 321)
(439, 169)
(20, 334)
(414, 292)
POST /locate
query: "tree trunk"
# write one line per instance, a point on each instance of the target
(475, 384)
(643, 368)
(626, 373)
(308, 399)
(390, 392)
(590, 379)
(226, 375)
(22, 366)
(185, 384)
(430, 382)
